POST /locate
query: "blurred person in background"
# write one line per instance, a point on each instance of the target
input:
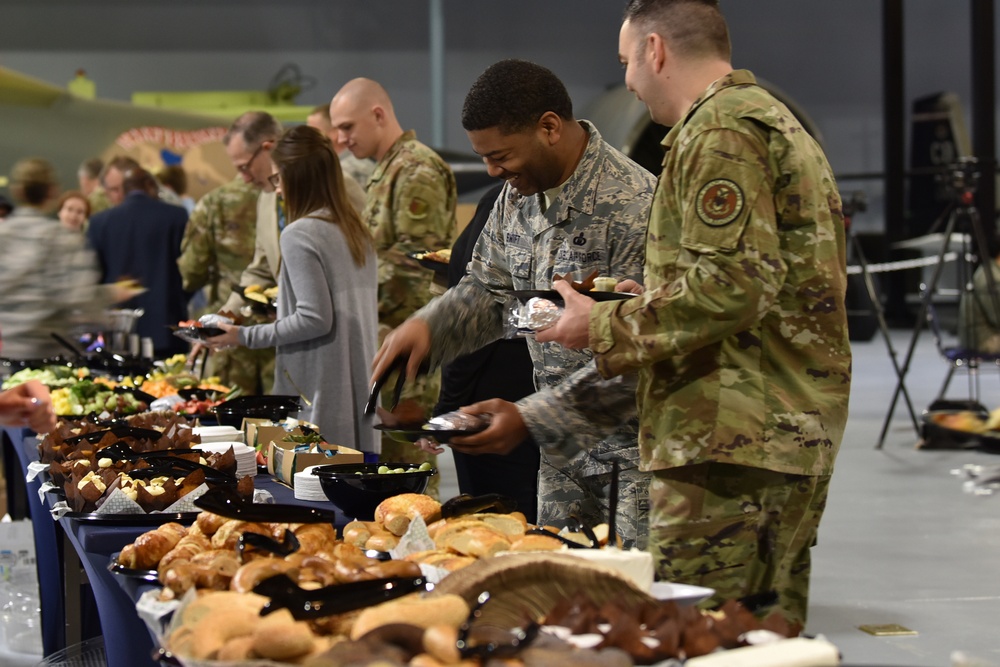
(48, 278)
(174, 178)
(218, 245)
(327, 314)
(112, 177)
(88, 177)
(140, 239)
(6, 206)
(356, 168)
(73, 210)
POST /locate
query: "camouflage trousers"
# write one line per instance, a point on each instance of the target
(250, 370)
(424, 392)
(582, 487)
(737, 529)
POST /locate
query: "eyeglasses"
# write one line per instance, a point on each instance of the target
(275, 180)
(245, 167)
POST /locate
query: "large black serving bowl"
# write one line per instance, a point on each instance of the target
(275, 408)
(358, 495)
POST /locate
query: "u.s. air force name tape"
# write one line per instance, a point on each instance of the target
(886, 267)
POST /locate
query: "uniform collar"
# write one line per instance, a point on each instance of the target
(579, 192)
(390, 155)
(738, 77)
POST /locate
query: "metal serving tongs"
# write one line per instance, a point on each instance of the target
(336, 599)
(228, 505)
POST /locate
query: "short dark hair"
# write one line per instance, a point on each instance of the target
(692, 27)
(174, 177)
(512, 95)
(256, 127)
(92, 167)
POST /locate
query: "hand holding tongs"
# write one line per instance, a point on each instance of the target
(399, 364)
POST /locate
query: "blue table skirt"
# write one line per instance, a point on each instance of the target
(127, 641)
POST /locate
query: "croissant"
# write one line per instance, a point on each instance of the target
(315, 537)
(190, 546)
(209, 522)
(150, 547)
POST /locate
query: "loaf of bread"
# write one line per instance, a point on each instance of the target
(394, 514)
(415, 610)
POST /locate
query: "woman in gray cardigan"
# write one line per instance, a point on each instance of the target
(327, 324)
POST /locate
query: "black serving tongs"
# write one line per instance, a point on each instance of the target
(467, 504)
(287, 546)
(232, 507)
(119, 431)
(336, 599)
(399, 364)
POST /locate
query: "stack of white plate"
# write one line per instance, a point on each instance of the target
(307, 487)
(219, 434)
(246, 456)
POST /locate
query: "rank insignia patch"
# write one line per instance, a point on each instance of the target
(720, 201)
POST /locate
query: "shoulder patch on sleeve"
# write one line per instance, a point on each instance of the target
(719, 202)
(417, 208)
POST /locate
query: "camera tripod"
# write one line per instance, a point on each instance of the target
(960, 217)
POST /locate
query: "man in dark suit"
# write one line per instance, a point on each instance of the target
(141, 239)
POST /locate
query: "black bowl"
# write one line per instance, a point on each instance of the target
(275, 408)
(358, 495)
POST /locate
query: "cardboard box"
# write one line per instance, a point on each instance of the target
(283, 461)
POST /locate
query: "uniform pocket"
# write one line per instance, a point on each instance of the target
(520, 263)
(715, 553)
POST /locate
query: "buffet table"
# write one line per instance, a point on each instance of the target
(90, 545)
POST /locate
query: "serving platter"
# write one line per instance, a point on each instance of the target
(148, 519)
(117, 568)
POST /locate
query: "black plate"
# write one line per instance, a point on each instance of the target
(937, 436)
(117, 568)
(414, 433)
(433, 265)
(151, 519)
(199, 333)
(552, 295)
(270, 307)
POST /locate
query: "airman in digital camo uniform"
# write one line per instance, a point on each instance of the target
(218, 245)
(572, 205)
(741, 337)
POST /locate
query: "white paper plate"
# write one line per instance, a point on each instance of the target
(680, 593)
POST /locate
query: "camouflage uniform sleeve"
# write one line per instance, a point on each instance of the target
(628, 239)
(423, 219)
(198, 246)
(735, 272)
(470, 314)
(576, 414)
(258, 272)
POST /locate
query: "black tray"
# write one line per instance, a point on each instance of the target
(150, 519)
(414, 433)
(115, 567)
(433, 265)
(552, 295)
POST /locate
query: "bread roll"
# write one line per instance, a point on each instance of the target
(478, 541)
(394, 514)
(536, 542)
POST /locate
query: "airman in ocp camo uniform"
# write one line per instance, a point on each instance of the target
(218, 245)
(410, 208)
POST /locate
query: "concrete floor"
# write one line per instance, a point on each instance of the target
(901, 542)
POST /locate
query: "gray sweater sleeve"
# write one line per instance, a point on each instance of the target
(312, 304)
